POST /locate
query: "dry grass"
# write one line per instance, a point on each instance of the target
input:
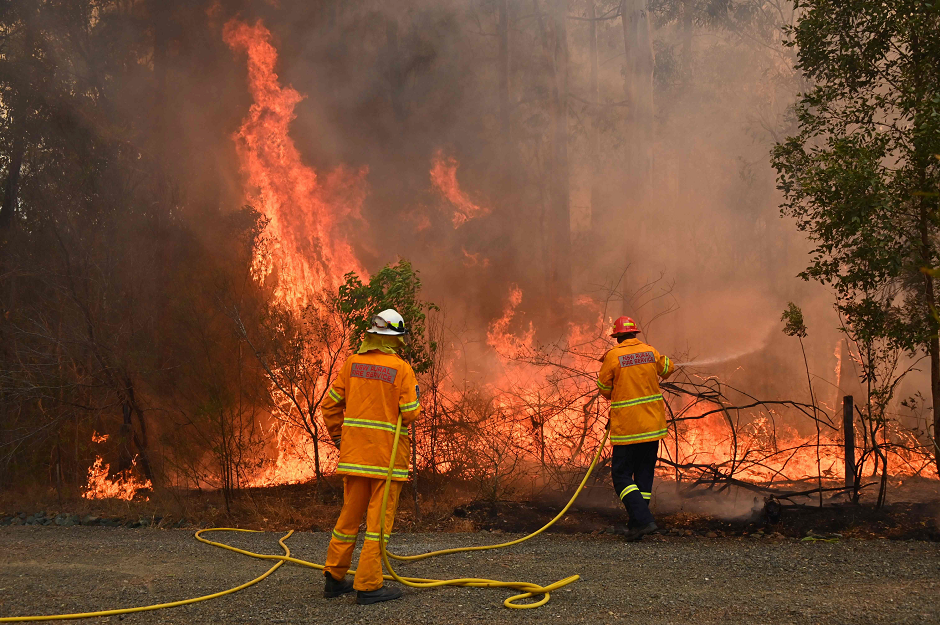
(297, 506)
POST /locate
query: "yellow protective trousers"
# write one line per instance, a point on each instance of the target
(361, 495)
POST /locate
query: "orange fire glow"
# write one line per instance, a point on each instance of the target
(294, 463)
(770, 450)
(122, 486)
(444, 179)
(498, 337)
(308, 250)
(764, 446)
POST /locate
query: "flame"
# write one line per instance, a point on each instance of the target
(122, 486)
(294, 463)
(498, 337)
(444, 179)
(770, 450)
(98, 438)
(763, 447)
(307, 247)
(307, 252)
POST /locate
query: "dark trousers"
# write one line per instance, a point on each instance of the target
(632, 469)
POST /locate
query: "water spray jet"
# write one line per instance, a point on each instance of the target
(717, 360)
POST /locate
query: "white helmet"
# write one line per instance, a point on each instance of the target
(388, 322)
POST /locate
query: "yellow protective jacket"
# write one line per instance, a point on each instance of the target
(372, 389)
(629, 379)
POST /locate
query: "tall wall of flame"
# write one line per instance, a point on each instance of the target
(307, 249)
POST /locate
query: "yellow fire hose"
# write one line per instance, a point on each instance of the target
(526, 589)
(172, 604)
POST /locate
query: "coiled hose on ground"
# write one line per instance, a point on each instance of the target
(526, 589)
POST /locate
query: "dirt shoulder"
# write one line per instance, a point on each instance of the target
(898, 521)
(663, 579)
(597, 511)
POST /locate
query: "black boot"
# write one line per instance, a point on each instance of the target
(638, 533)
(368, 597)
(623, 530)
(336, 587)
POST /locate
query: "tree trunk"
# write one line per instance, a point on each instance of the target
(125, 455)
(160, 19)
(934, 345)
(225, 464)
(935, 396)
(812, 397)
(686, 57)
(316, 449)
(503, 70)
(432, 443)
(928, 206)
(638, 89)
(11, 187)
(140, 442)
(559, 201)
(19, 114)
(597, 218)
(638, 92)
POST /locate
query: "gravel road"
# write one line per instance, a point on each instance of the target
(660, 580)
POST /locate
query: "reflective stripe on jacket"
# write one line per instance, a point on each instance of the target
(363, 405)
(629, 378)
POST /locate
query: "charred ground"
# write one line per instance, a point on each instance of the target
(914, 513)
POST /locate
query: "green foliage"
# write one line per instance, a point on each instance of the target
(794, 321)
(858, 177)
(397, 287)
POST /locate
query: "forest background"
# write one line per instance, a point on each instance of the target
(176, 231)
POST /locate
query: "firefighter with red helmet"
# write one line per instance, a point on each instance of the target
(629, 378)
(361, 411)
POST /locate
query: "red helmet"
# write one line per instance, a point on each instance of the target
(624, 325)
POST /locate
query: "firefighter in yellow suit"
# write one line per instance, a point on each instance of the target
(629, 378)
(374, 387)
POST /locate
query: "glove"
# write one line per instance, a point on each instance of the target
(337, 440)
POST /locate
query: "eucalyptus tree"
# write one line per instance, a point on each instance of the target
(860, 176)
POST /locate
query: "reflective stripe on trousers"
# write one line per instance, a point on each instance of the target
(634, 488)
(346, 538)
(361, 495)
